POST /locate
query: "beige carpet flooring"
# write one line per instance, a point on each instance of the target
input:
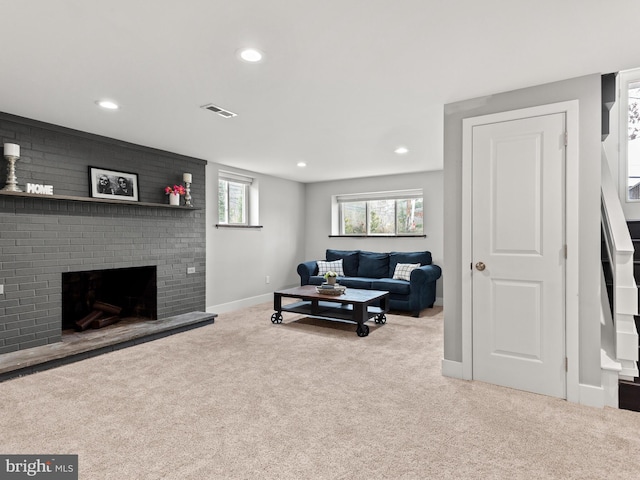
(307, 399)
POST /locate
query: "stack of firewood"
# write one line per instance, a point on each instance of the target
(103, 314)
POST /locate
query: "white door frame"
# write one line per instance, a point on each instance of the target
(570, 109)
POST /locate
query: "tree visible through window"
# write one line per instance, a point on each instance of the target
(385, 216)
(630, 130)
(232, 202)
(633, 145)
(409, 214)
(354, 217)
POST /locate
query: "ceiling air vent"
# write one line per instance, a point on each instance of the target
(220, 111)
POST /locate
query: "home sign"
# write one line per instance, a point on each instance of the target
(39, 189)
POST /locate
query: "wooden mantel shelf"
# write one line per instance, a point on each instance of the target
(70, 198)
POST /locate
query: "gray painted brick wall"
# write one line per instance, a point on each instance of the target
(41, 238)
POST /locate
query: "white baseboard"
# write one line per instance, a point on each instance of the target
(452, 369)
(438, 302)
(592, 396)
(609, 389)
(589, 395)
(238, 304)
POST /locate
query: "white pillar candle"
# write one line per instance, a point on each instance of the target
(11, 150)
(186, 177)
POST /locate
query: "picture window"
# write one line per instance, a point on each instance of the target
(381, 214)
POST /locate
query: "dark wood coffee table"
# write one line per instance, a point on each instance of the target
(353, 305)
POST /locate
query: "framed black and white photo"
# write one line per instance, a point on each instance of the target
(113, 184)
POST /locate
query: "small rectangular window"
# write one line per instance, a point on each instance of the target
(382, 214)
(633, 142)
(233, 199)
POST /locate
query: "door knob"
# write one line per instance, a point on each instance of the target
(480, 266)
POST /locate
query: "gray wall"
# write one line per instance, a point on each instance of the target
(296, 224)
(41, 238)
(587, 91)
(318, 216)
(240, 259)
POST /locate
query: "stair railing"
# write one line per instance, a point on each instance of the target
(625, 291)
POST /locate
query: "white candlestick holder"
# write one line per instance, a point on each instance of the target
(12, 181)
(187, 196)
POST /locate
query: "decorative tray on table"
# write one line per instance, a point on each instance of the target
(326, 289)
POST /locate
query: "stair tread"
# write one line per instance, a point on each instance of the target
(634, 383)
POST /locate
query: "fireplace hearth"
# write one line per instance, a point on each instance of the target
(98, 298)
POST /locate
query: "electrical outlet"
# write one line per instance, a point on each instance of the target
(191, 270)
(267, 279)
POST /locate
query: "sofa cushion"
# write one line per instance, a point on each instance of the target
(335, 266)
(403, 270)
(423, 258)
(373, 265)
(349, 260)
(392, 286)
(356, 282)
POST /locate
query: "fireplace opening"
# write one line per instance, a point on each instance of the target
(98, 298)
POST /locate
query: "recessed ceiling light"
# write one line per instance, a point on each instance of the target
(302, 164)
(108, 104)
(252, 55)
(401, 150)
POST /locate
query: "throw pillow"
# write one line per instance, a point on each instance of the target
(335, 266)
(349, 260)
(403, 271)
(424, 257)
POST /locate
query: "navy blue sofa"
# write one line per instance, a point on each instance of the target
(375, 271)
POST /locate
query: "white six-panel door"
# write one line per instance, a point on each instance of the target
(518, 254)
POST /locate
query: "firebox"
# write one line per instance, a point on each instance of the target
(98, 298)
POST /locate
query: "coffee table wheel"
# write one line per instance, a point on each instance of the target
(276, 317)
(381, 318)
(362, 330)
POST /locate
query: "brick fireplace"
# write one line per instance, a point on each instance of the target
(43, 238)
(97, 298)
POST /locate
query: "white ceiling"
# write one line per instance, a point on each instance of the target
(343, 82)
